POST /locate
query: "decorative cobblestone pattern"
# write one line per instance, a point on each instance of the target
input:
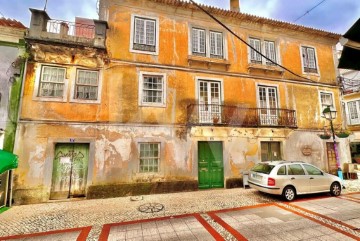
(97, 212)
(275, 223)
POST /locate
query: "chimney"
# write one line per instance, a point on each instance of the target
(235, 5)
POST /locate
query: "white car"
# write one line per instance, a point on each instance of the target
(289, 178)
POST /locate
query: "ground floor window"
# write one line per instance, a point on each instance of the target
(149, 157)
(270, 151)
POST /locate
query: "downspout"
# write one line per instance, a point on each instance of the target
(11, 176)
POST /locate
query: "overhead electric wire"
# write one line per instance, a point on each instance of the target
(239, 38)
(308, 11)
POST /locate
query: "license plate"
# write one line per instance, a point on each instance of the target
(256, 176)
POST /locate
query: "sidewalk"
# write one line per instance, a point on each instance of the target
(78, 216)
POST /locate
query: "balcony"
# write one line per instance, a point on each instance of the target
(222, 115)
(87, 32)
(349, 86)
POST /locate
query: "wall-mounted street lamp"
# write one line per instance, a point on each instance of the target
(331, 115)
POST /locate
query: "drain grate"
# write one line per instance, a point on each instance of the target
(151, 207)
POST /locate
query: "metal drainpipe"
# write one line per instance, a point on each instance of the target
(10, 189)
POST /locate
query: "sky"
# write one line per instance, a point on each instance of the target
(335, 16)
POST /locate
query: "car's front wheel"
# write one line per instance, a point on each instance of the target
(289, 193)
(335, 189)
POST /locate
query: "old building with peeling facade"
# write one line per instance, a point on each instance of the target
(174, 103)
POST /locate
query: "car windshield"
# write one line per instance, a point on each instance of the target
(262, 168)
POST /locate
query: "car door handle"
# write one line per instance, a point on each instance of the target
(293, 178)
(311, 178)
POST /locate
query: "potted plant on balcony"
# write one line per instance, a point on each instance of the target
(326, 135)
(215, 119)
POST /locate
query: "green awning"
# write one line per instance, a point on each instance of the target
(7, 161)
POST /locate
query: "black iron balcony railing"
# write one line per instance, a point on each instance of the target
(71, 29)
(203, 114)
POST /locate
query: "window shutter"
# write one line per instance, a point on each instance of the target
(219, 41)
(252, 52)
(311, 56)
(305, 57)
(202, 40)
(272, 53)
(195, 40)
(258, 48)
(213, 43)
(150, 32)
(139, 31)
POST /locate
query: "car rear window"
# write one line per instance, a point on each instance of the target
(262, 168)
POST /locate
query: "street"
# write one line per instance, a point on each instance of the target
(217, 214)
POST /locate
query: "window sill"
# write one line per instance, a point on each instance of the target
(208, 61)
(265, 68)
(50, 99)
(81, 101)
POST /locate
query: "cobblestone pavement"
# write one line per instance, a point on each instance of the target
(79, 214)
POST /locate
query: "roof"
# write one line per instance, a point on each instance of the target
(354, 32)
(7, 22)
(350, 56)
(249, 18)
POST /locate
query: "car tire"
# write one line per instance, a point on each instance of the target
(289, 193)
(335, 189)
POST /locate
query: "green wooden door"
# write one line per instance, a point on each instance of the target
(210, 164)
(70, 170)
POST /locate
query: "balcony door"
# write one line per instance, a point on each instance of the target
(268, 104)
(209, 101)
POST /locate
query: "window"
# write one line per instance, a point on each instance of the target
(263, 168)
(149, 157)
(203, 40)
(86, 86)
(270, 151)
(282, 170)
(326, 99)
(295, 169)
(152, 89)
(268, 104)
(216, 44)
(353, 112)
(209, 101)
(265, 47)
(52, 82)
(198, 42)
(309, 59)
(144, 35)
(312, 170)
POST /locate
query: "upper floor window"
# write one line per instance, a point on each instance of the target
(52, 81)
(145, 34)
(152, 89)
(207, 43)
(149, 157)
(266, 47)
(87, 84)
(326, 99)
(309, 59)
(353, 112)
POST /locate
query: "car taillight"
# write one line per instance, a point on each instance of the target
(271, 181)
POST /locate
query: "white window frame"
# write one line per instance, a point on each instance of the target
(207, 53)
(158, 157)
(38, 75)
(355, 121)
(73, 87)
(141, 82)
(317, 73)
(262, 48)
(132, 34)
(321, 104)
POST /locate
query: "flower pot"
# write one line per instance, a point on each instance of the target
(325, 137)
(342, 135)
